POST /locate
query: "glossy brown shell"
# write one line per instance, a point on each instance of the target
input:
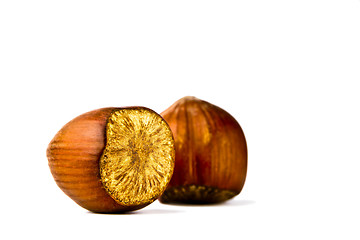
(73, 157)
(210, 149)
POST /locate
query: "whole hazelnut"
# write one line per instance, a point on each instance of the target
(113, 159)
(210, 153)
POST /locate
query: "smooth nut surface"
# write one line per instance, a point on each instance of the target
(210, 153)
(113, 159)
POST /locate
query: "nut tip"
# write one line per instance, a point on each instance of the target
(189, 98)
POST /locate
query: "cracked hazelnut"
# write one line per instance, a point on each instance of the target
(113, 159)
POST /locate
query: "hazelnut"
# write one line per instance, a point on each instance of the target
(210, 153)
(113, 159)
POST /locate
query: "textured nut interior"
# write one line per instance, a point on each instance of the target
(138, 160)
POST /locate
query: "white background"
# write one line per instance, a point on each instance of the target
(288, 71)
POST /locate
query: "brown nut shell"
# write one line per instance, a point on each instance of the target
(210, 153)
(113, 159)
